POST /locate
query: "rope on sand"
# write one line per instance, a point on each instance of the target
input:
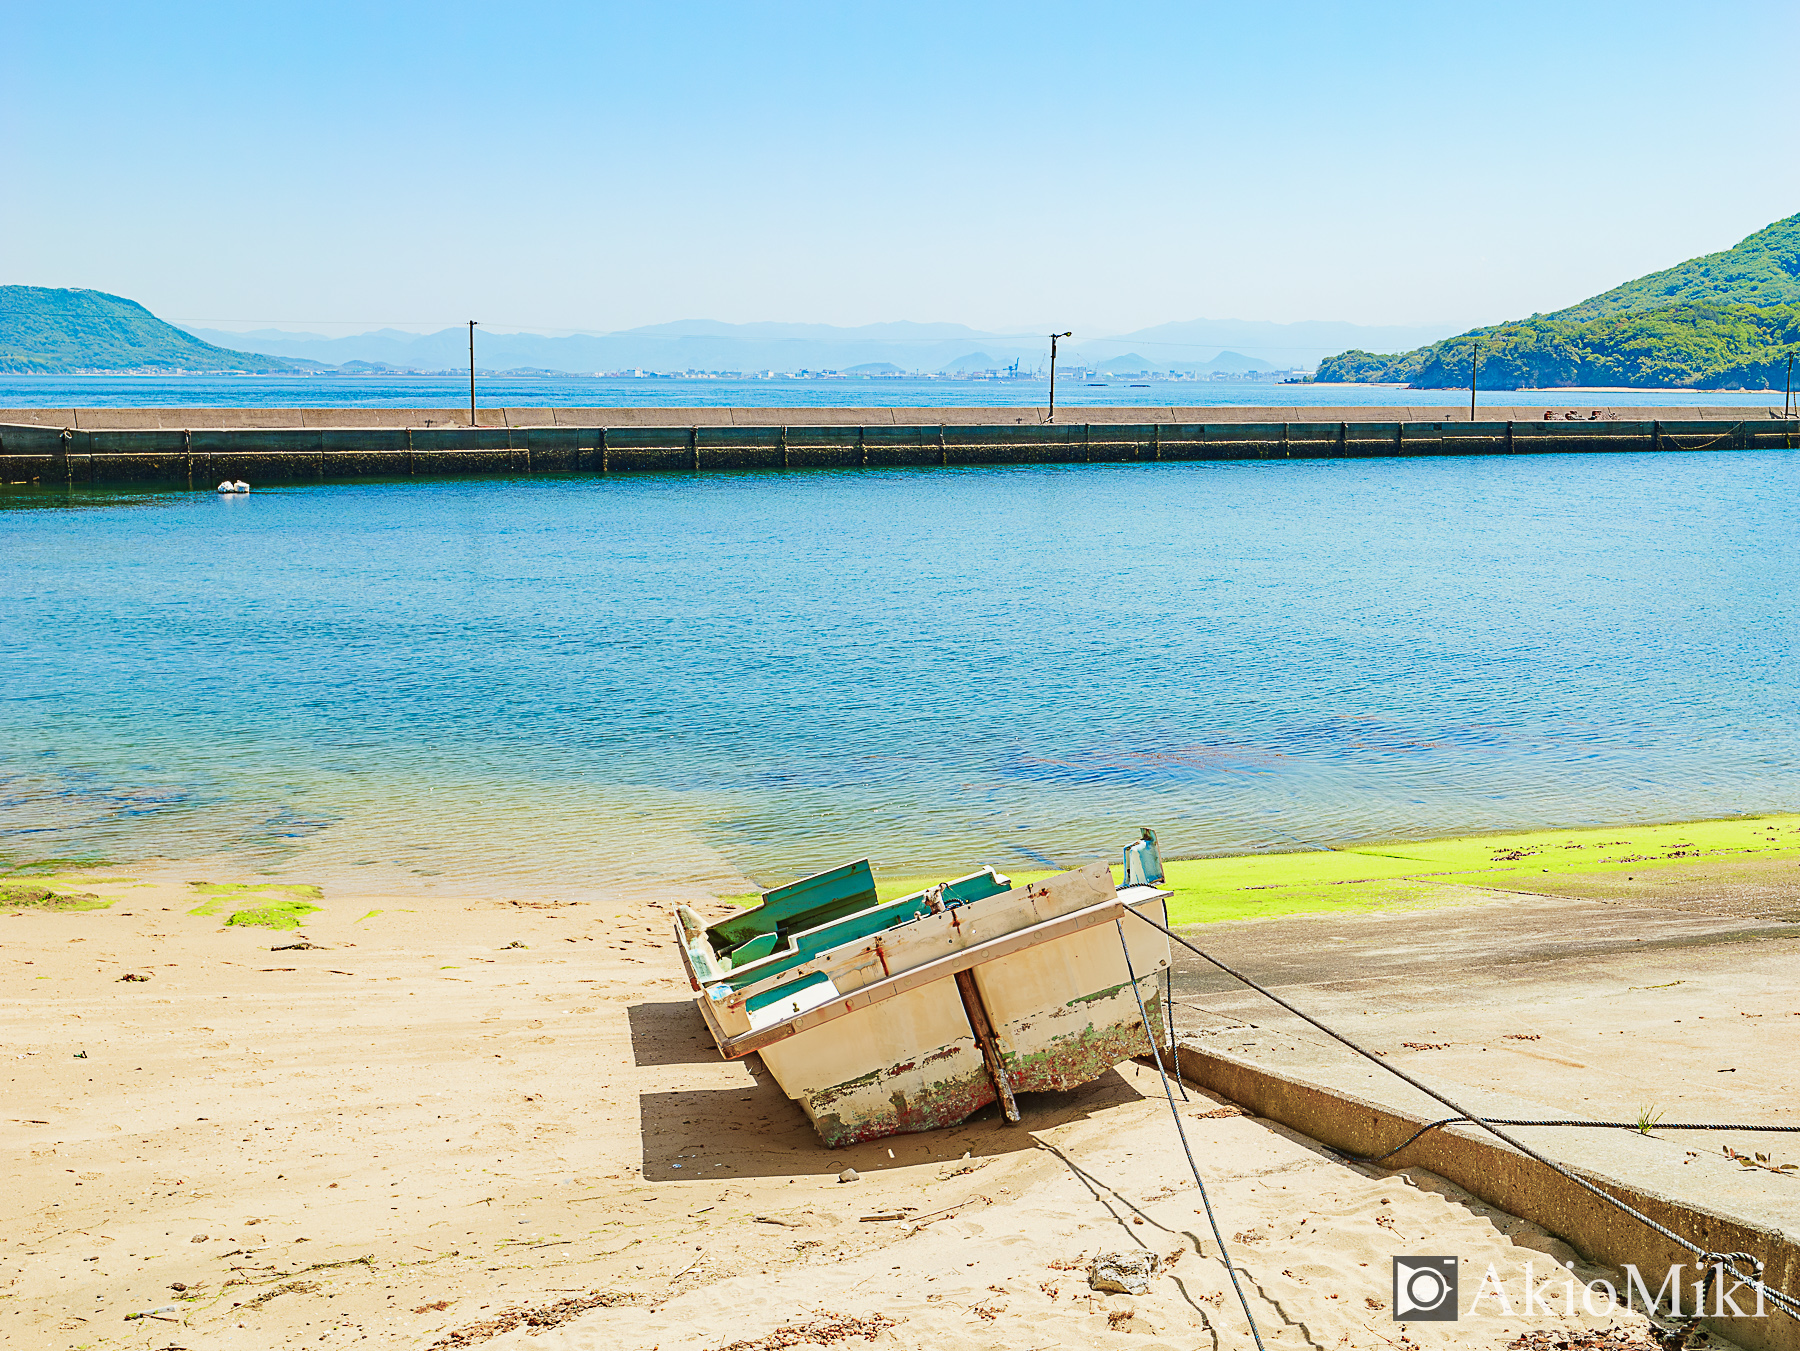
(1726, 1264)
(1169, 1093)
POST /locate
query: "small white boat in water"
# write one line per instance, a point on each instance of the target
(885, 1017)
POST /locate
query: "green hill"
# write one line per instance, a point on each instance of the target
(45, 330)
(1726, 321)
(1761, 270)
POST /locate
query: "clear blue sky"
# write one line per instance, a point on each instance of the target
(1008, 166)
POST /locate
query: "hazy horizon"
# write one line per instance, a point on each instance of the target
(693, 324)
(1188, 348)
(711, 345)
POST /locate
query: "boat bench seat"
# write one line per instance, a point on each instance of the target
(771, 952)
(799, 906)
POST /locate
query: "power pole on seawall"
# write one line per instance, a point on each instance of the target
(1787, 404)
(1474, 360)
(1053, 338)
(471, 372)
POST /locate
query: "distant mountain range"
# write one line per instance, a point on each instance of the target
(1728, 320)
(708, 345)
(1226, 363)
(44, 329)
(1298, 346)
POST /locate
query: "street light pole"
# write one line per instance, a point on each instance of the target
(1474, 359)
(1053, 338)
(471, 372)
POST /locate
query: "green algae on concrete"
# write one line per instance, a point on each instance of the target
(1417, 874)
(1411, 874)
(285, 904)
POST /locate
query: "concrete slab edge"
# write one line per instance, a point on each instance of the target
(1487, 1168)
(176, 419)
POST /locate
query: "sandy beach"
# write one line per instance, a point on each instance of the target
(497, 1123)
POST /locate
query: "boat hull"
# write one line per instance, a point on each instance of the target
(1063, 1013)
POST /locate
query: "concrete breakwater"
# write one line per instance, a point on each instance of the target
(197, 447)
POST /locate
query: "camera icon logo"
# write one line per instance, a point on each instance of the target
(1425, 1289)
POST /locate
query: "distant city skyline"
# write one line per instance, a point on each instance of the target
(1013, 168)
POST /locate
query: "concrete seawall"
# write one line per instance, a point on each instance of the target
(177, 419)
(198, 447)
(1722, 1207)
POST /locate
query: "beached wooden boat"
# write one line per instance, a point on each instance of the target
(880, 1018)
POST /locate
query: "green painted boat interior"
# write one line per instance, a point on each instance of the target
(801, 905)
(756, 949)
(771, 944)
(788, 991)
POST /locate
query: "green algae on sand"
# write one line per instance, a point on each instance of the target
(36, 895)
(1412, 874)
(44, 867)
(285, 904)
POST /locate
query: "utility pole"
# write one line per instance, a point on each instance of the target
(471, 372)
(1787, 404)
(1053, 338)
(1474, 359)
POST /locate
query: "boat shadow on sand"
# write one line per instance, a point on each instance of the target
(753, 1129)
(670, 1033)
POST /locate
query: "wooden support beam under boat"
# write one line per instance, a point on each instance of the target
(983, 1028)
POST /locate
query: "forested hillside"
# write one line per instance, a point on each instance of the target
(1729, 320)
(1761, 270)
(50, 330)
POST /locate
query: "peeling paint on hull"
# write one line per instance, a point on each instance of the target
(943, 1102)
(949, 1084)
(1072, 1059)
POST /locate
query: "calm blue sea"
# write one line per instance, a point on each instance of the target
(259, 391)
(544, 683)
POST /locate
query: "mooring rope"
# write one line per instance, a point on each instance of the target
(1670, 443)
(1781, 1299)
(1174, 1111)
(1168, 1002)
(1643, 1127)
